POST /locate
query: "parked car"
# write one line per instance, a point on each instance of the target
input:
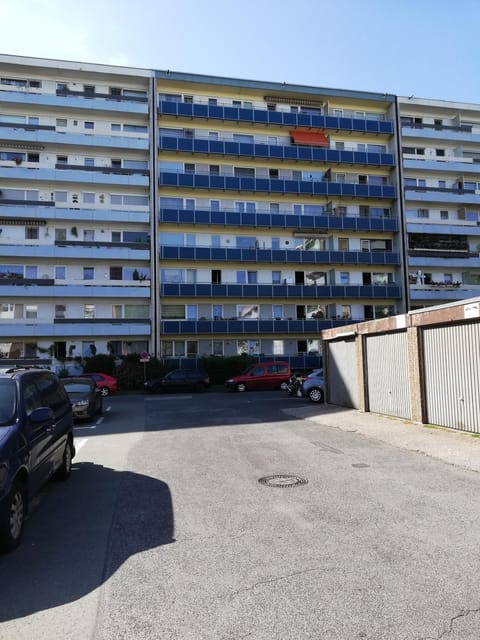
(106, 384)
(85, 396)
(313, 386)
(36, 442)
(179, 380)
(263, 375)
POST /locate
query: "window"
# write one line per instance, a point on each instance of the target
(344, 277)
(135, 128)
(243, 137)
(213, 135)
(89, 124)
(115, 92)
(60, 311)
(89, 162)
(440, 152)
(62, 159)
(60, 273)
(33, 157)
(247, 312)
(443, 215)
(89, 311)
(31, 311)
(115, 127)
(189, 167)
(88, 198)
(217, 311)
(276, 277)
(88, 235)
(89, 89)
(88, 273)
(217, 347)
(423, 213)
(212, 102)
(31, 233)
(273, 173)
(277, 311)
(343, 244)
(60, 235)
(173, 312)
(31, 272)
(116, 273)
(214, 169)
(243, 172)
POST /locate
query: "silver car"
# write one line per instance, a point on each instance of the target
(313, 386)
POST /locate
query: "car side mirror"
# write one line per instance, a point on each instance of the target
(42, 414)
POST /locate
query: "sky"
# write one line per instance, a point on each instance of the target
(424, 48)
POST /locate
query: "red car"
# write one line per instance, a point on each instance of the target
(106, 384)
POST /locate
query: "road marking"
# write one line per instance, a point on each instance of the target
(93, 426)
(162, 397)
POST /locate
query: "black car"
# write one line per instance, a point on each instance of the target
(180, 380)
(36, 442)
(85, 396)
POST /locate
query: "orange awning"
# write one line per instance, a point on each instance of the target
(311, 138)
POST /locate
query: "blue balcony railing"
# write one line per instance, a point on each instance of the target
(265, 117)
(267, 219)
(276, 291)
(275, 152)
(224, 254)
(248, 327)
(267, 185)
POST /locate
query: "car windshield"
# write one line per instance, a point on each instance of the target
(8, 402)
(77, 387)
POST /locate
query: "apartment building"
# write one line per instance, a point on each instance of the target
(189, 215)
(75, 209)
(441, 178)
(278, 214)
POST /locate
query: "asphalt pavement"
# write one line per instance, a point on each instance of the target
(458, 448)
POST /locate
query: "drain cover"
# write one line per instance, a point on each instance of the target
(283, 480)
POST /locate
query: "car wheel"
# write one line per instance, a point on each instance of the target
(13, 517)
(66, 468)
(104, 391)
(315, 395)
(241, 386)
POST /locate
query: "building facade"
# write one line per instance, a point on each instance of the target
(188, 215)
(441, 178)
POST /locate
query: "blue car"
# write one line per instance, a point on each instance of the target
(36, 443)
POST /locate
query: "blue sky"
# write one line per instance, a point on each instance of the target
(425, 48)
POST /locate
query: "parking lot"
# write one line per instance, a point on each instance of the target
(171, 527)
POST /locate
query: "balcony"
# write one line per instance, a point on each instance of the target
(461, 166)
(278, 256)
(277, 291)
(19, 211)
(276, 118)
(74, 101)
(275, 152)
(249, 327)
(436, 194)
(66, 291)
(75, 328)
(29, 134)
(276, 186)
(282, 220)
(82, 174)
(462, 133)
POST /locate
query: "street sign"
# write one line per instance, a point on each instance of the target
(144, 357)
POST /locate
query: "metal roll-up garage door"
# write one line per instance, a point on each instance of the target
(387, 374)
(342, 382)
(452, 375)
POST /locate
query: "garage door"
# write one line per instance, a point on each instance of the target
(452, 375)
(387, 379)
(342, 382)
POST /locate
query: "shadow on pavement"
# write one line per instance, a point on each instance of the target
(83, 531)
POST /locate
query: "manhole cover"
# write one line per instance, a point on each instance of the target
(283, 480)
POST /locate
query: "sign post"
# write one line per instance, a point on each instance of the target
(144, 357)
